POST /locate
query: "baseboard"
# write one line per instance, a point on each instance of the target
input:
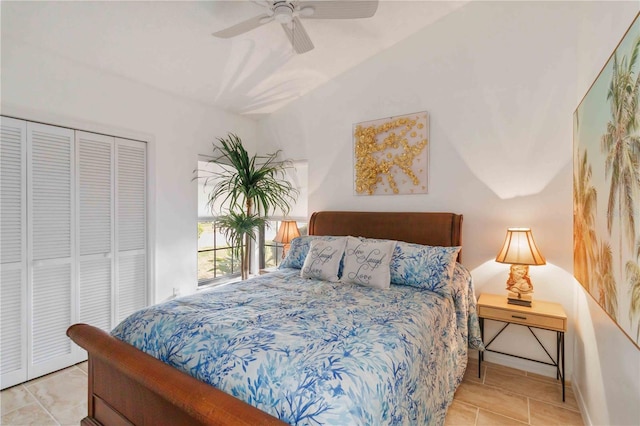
(581, 405)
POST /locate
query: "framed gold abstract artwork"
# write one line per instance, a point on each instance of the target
(391, 155)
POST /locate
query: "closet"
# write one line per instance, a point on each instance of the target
(73, 241)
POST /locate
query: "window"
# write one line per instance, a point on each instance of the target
(271, 253)
(216, 260)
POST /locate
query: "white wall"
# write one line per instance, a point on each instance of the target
(37, 85)
(500, 82)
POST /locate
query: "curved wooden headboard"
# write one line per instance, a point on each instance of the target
(434, 229)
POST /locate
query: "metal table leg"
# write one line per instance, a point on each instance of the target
(481, 353)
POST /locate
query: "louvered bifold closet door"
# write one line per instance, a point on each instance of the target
(13, 252)
(94, 157)
(51, 247)
(131, 231)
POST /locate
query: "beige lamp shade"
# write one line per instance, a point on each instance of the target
(287, 232)
(520, 249)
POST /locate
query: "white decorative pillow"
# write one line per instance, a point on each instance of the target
(300, 248)
(323, 259)
(367, 262)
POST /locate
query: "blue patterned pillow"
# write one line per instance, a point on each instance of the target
(299, 249)
(428, 267)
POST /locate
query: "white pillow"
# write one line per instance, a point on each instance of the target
(323, 260)
(367, 262)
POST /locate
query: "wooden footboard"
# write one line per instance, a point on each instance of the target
(129, 387)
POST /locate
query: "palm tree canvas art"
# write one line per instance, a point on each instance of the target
(606, 186)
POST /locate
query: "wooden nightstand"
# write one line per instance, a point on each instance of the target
(542, 315)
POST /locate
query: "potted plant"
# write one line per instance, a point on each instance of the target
(251, 187)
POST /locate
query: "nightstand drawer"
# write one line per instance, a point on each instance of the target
(522, 318)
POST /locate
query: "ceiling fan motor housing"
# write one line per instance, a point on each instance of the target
(283, 11)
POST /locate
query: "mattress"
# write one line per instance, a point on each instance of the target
(312, 352)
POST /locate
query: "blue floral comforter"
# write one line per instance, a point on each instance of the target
(319, 353)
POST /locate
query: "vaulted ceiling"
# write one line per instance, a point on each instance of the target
(168, 45)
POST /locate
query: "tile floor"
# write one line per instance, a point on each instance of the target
(59, 398)
(504, 396)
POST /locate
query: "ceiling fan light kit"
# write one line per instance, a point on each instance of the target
(283, 12)
(289, 12)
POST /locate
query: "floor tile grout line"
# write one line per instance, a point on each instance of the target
(557, 384)
(528, 398)
(42, 406)
(542, 382)
(481, 382)
(2, 413)
(501, 415)
(34, 399)
(556, 404)
(516, 393)
(491, 411)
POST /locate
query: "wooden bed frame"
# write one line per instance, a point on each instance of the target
(129, 387)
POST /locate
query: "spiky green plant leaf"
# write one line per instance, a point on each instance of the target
(236, 226)
(251, 186)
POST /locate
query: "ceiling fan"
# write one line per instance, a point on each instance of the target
(289, 12)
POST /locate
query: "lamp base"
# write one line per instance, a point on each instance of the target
(519, 299)
(285, 249)
(519, 302)
(519, 287)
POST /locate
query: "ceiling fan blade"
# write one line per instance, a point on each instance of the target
(243, 27)
(263, 3)
(339, 9)
(298, 36)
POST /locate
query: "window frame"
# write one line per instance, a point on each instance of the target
(235, 273)
(210, 218)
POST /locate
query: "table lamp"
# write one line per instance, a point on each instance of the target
(520, 251)
(287, 232)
